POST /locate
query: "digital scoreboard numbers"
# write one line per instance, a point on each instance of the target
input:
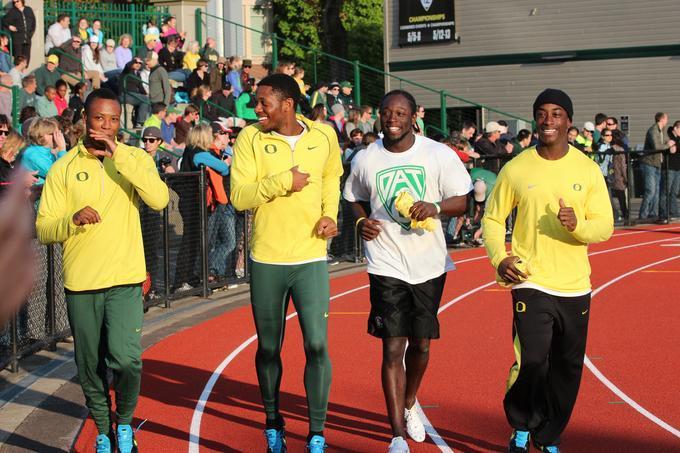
(426, 22)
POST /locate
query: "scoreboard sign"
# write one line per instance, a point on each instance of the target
(426, 22)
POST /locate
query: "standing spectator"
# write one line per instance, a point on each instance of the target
(133, 91)
(5, 95)
(651, 166)
(234, 75)
(20, 21)
(5, 56)
(47, 145)
(82, 33)
(673, 175)
(600, 125)
(619, 177)
(60, 98)
(158, 112)
(27, 96)
(209, 53)
(245, 104)
(58, 33)
(45, 104)
(188, 120)
(107, 58)
(420, 115)
(149, 46)
(604, 160)
(218, 75)
(332, 95)
(468, 130)
(198, 77)
(245, 71)
(96, 30)
(71, 62)
(18, 72)
(586, 137)
(319, 114)
(366, 119)
(352, 123)
(345, 97)
(285, 67)
(191, 56)
(77, 101)
(572, 134)
(226, 106)
(319, 96)
(101, 278)
(92, 62)
(159, 82)
(123, 51)
(170, 57)
(489, 146)
(47, 74)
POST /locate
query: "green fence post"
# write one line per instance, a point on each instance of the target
(357, 84)
(199, 25)
(135, 27)
(15, 107)
(275, 52)
(442, 112)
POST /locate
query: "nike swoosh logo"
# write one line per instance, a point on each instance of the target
(312, 147)
(584, 312)
(531, 186)
(138, 330)
(325, 315)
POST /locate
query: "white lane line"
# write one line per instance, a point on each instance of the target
(195, 430)
(609, 384)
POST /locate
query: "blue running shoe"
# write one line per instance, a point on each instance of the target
(276, 440)
(317, 444)
(547, 448)
(103, 444)
(519, 442)
(126, 439)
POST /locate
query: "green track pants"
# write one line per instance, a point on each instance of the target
(271, 286)
(107, 329)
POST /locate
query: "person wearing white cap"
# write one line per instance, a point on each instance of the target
(92, 62)
(585, 139)
(490, 146)
(107, 58)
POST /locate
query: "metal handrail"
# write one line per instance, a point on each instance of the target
(15, 104)
(122, 84)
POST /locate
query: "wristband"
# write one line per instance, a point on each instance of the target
(439, 209)
(356, 224)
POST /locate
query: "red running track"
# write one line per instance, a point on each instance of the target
(633, 343)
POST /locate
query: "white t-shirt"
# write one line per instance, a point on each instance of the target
(431, 172)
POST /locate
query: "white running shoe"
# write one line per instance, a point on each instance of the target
(398, 445)
(414, 426)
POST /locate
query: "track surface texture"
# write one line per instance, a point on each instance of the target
(200, 393)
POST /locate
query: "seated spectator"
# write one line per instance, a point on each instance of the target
(245, 104)
(285, 67)
(18, 72)
(158, 112)
(133, 91)
(58, 33)
(5, 128)
(198, 77)
(234, 75)
(152, 140)
(47, 144)
(149, 46)
(168, 126)
(345, 97)
(521, 142)
(218, 76)
(92, 62)
(170, 57)
(159, 81)
(462, 147)
(332, 94)
(337, 119)
(319, 96)
(150, 28)
(82, 33)
(210, 54)
(71, 62)
(200, 99)
(299, 75)
(65, 121)
(107, 58)
(366, 119)
(27, 95)
(60, 98)
(11, 144)
(47, 74)
(96, 30)
(355, 145)
(189, 119)
(225, 108)
(5, 95)
(489, 146)
(191, 56)
(245, 71)
(319, 114)
(170, 31)
(123, 51)
(26, 116)
(77, 101)
(45, 104)
(352, 123)
(5, 56)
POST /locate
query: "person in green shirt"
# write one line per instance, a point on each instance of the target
(245, 104)
(158, 112)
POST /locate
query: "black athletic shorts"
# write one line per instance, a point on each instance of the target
(400, 309)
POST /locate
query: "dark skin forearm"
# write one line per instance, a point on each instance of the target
(454, 206)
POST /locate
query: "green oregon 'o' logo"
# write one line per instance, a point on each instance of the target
(270, 149)
(82, 176)
(577, 187)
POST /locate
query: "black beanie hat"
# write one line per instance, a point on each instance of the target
(557, 97)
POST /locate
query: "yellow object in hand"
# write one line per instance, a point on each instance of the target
(403, 204)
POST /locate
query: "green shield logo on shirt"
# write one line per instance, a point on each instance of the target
(392, 181)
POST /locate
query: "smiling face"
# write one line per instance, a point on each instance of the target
(397, 118)
(272, 111)
(552, 124)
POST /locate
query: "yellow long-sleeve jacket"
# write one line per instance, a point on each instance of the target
(109, 253)
(284, 222)
(557, 259)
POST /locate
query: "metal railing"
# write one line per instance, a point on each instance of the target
(15, 103)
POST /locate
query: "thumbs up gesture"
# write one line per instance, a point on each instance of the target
(567, 216)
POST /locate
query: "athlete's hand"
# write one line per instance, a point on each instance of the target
(86, 216)
(109, 144)
(369, 229)
(509, 272)
(326, 228)
(300, 180)
(421, 210)
(567, 216)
